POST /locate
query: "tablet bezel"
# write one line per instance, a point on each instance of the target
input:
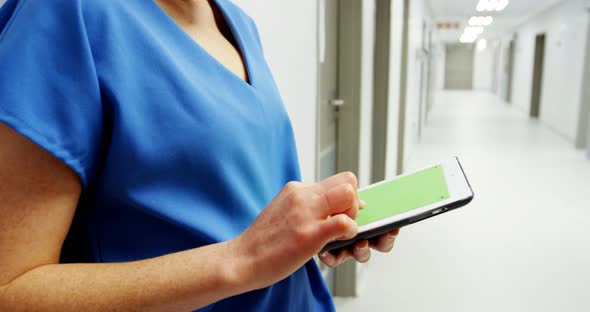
(460, 194)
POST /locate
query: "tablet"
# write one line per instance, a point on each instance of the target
(410, 198)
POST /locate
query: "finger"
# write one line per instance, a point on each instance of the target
(338, 227)
(385, 242)
(341, 178)
(361, 251)
(337, 180)
(333, 260)
(344, 256)
(341, 199)
(328, 258)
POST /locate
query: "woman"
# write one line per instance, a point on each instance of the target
(146, 165)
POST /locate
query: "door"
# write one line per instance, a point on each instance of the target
(459, 67)
(537, 76)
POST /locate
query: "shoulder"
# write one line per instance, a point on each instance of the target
(51, 8)
(66, 10)
(50, 16)
(75, 21)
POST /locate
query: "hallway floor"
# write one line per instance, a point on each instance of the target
(522, 245)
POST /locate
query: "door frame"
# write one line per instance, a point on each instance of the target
(381, 90)
(349, 85)
(583, 134)
(430, 76)
(401, 132)
(325, 153)
(423, 81)
(346, 280)
(510, 69)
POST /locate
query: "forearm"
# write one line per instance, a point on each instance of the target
(183, 281)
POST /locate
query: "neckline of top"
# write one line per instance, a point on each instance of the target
(234, 31)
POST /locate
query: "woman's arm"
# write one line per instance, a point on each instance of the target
(182, 281)
(38, 198)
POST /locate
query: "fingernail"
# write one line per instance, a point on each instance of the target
(323, 254)
(363, 248)
(362, 204)
(391, 236)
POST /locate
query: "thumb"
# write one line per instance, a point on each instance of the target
(338, 227)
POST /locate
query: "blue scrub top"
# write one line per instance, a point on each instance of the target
(174, 150)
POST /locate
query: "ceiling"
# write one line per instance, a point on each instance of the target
(515, 13)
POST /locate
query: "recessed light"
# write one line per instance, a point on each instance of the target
(491, 5)
(478, 30)
(480, 20)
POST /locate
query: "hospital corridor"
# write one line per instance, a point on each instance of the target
(521, 245)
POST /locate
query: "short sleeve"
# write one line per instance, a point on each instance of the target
(49, 90)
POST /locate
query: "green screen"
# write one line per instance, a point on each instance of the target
(403, 194)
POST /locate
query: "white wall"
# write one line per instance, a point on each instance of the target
(289, 35)
(565, 26)
(2, 2)
(483, 68)
(501, 69)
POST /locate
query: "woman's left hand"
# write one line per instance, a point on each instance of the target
(361, 250)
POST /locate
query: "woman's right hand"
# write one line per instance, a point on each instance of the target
(295, 226)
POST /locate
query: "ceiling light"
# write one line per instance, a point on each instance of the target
(470, 34)
(491, 5)
(474, 21)
(480, 20)
(477, 30)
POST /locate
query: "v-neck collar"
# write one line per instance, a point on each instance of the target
(234, 31)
